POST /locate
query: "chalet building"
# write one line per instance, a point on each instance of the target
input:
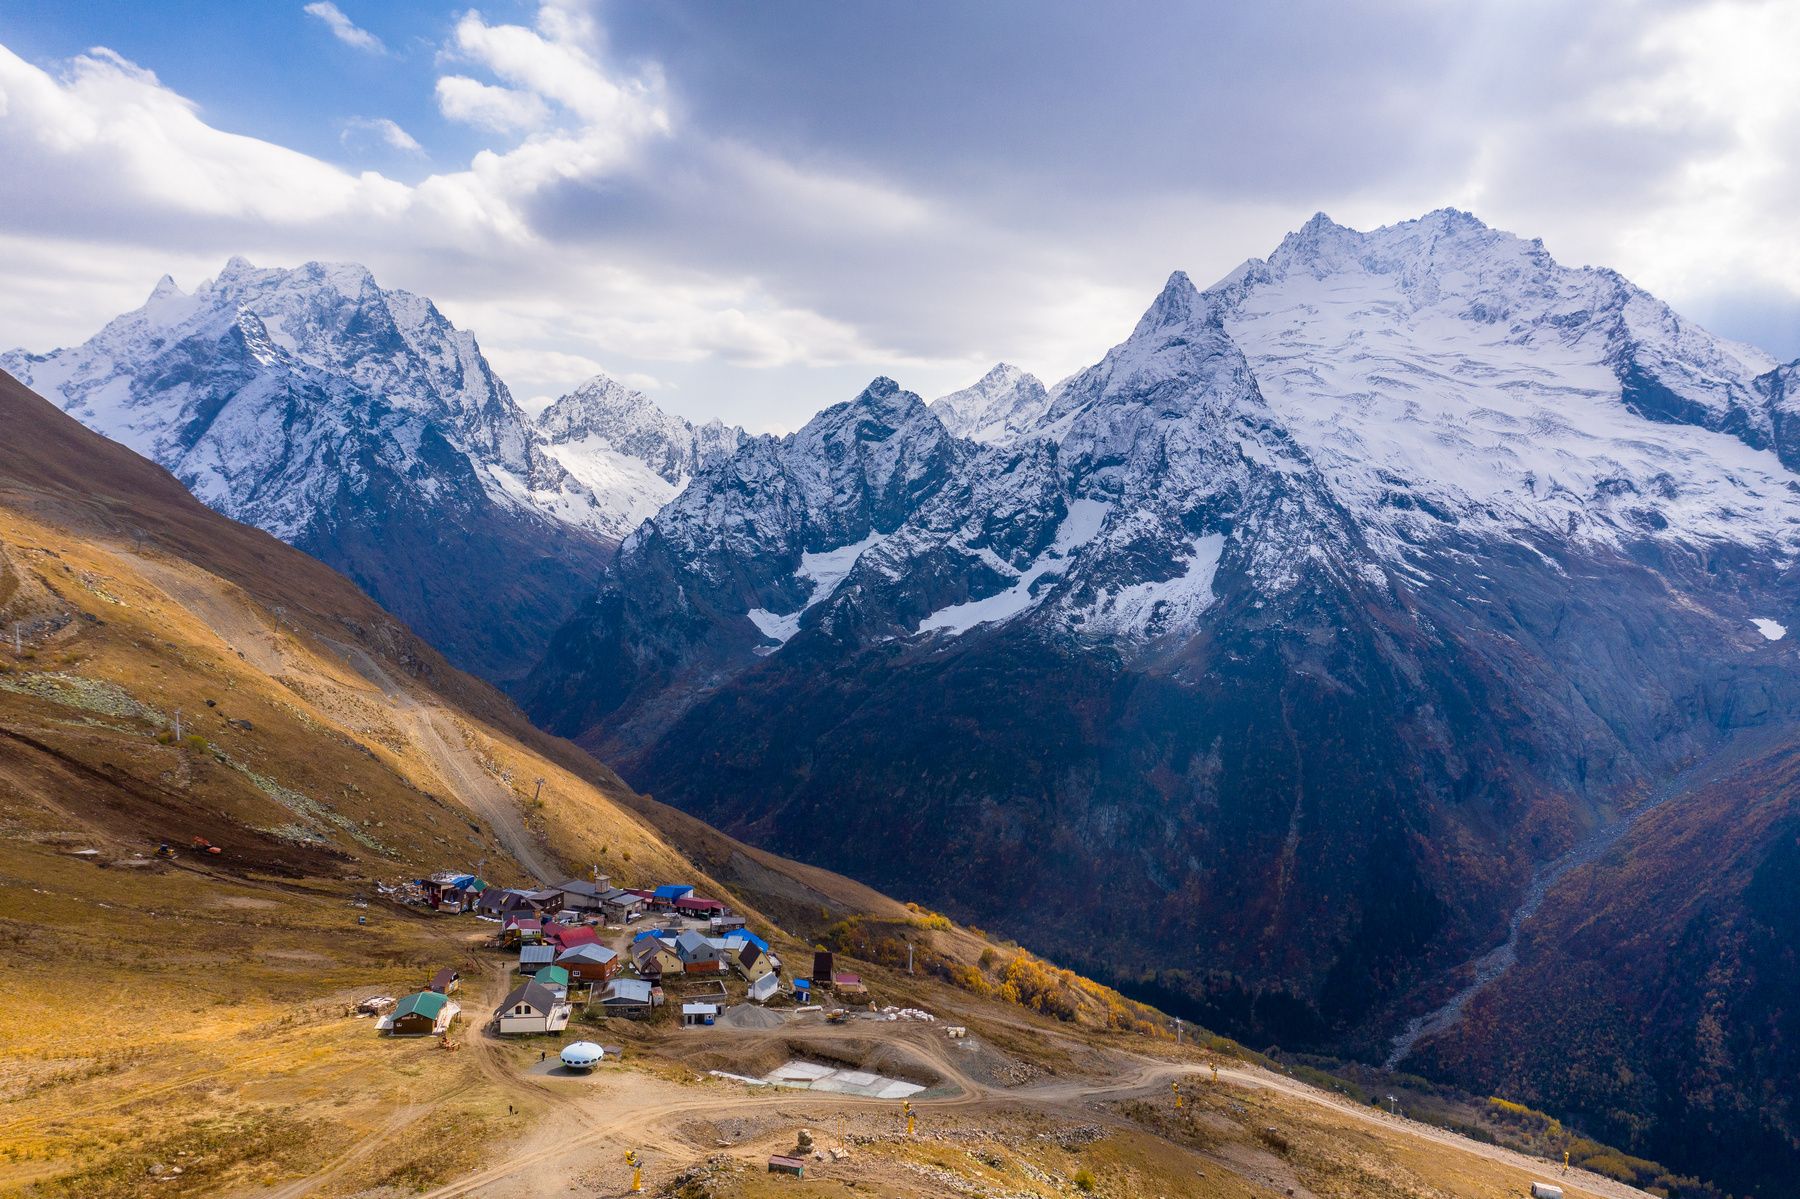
(530, 1009)
(699, 1013)
(700, 908)
(546, 902)
(700, 955)
(421, 1014)
(591, 964)
(555, 979)
(626, 997)
(445, 981)
(499, 903)
(533, 958)
(449, 892)
(565, 937)
(522, 930)
(764, 987)
(749, 961)
(665, 896)
(581, 896)
(619, 906)
(652, 959)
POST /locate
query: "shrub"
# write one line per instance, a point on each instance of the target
(1084, 1179)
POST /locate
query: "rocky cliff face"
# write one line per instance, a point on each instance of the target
(1261, 663)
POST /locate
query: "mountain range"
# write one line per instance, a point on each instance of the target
(360, 425)
(1270, 664)
(1383, 651)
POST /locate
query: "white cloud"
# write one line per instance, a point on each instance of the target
(498, 109)
(606, 224)
(386, 131)
(343, 28)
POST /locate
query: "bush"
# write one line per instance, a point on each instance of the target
(1084, 1179)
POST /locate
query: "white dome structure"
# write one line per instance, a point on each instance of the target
(582, 1055)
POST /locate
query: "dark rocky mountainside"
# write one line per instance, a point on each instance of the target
(1261, 665)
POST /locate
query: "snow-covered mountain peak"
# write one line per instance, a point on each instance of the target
(633, 455)
(1448, 375)
(996, 408)
(1177, 306)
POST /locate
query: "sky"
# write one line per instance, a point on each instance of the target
(748, 210)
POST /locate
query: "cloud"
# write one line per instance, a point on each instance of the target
(343, 28)
(757, 215)
(386, 131)
(497, 109)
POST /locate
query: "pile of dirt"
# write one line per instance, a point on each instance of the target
(748, 1015)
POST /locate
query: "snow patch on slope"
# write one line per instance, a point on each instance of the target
(824, 570)
(1773, 630)
(1079, 527)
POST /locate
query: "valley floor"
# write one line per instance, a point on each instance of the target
(204, 1022)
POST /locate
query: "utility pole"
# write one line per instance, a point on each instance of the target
(177, 724)
(909, 957)
(539, 794)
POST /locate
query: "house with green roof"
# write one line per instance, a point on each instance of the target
(421, 1014)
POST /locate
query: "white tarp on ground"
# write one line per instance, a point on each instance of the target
(813, 1076)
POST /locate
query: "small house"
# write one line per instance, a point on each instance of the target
(652, 959)
(626, 997)
(850, 985)
(780, 1163)
(749, 961)
(421, 1014)
(556, 978)
(450, 892)
(545, 902)
(564, 937)
(699, 908)
(698, 954)
(764, 987)
(823, 965)
(666, 895)
(533, 958)
(445, 981)
(590, 964)
(619, 906)
(530, 1009)
(581, 896)
(694, 1014)
(503, 902)
(725, 924)
(522, 930)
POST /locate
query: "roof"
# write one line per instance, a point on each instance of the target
(579, 935)
(697, 901)
(846, 980)
(553, 976)
(420, 1003)
(618, 895)
(642, 933)
(544, 896)
(577, 886)
(537, 953)
(744, 934)
(699, 1009)
(634, 989)
(534, 993)
(748, 955)
(526, 924)
(444, 977)
(586, 953)
(672, 891)
(691, 942)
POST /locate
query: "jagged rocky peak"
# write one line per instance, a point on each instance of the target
(997, 408)
(629, 422)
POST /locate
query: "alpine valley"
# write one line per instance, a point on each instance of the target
(1349, 625)
(1381, 653)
